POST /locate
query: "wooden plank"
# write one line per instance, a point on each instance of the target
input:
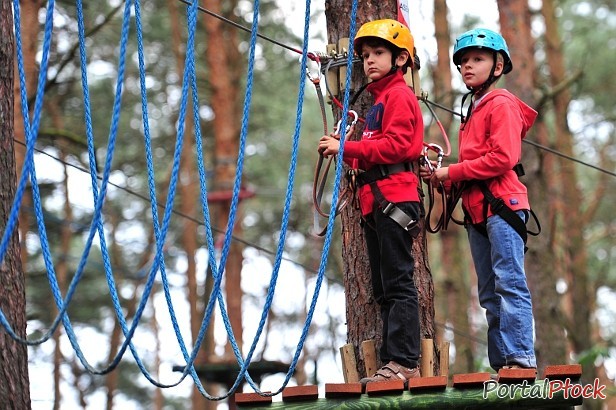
(428, 383)
(369, 350)
(443, 359)
(467, 380)
(427, 357)
(563, 371)
(387, 387)
(349, 363)
(251, 399)
(335, 390)
(300, 393)
(516, 375)
(451, 398)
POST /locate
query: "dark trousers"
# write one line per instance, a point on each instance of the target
(392, 265)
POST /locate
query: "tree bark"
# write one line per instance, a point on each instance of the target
(362, 312)
(14, 380)
(550, 342)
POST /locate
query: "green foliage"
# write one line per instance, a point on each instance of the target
(591, 50)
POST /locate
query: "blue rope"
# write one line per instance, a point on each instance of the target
(217, 274)
(332, 213)
(160, 236)
(160, 230)
(283, 230)
(189, 77)
(98, 197)
(31, 133)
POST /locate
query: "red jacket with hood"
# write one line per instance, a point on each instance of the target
(490, 145)
(393, 133)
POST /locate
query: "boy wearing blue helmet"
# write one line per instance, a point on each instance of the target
(490, 147)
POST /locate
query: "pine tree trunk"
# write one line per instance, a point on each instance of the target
(14, 381)
(29, 35)
(223, 59)
(188, 194)
(362, 312)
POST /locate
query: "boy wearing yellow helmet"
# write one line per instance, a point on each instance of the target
(384, 159)
(494, 200)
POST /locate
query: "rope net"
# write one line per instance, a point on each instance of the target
(132, 20)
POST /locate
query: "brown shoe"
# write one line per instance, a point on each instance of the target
(392, 371)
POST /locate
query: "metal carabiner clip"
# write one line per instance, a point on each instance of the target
(440, 153)
(349, 127)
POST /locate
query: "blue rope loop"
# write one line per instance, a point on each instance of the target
(160, 229)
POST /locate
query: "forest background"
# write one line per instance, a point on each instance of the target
(576, 281)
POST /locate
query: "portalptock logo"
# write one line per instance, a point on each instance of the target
(547, 390)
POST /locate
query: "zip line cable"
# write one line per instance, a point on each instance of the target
(180, 213)
(334, 64)
(570, 158)
(244, 28)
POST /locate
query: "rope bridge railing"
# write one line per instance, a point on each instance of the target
(132, 11)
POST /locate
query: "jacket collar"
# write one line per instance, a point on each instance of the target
(376, 87)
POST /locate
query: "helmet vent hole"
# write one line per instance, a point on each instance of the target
(395, 36)
(481, 36)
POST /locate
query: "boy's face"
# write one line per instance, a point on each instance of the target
(476, 65)
(377, 61)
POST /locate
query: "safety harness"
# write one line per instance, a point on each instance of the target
(382, 171)
(500, 208)
(357, 177)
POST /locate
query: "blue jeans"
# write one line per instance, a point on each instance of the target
(392, 264)
(503, 293)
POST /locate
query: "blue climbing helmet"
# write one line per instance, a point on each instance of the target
(482, 38)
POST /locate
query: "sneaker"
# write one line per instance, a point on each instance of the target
(392, 371)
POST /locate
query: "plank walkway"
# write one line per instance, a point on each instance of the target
(463, 391)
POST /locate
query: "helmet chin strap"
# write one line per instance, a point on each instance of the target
(474, 91)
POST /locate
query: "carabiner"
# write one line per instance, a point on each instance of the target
(349, 126)
(440, 153)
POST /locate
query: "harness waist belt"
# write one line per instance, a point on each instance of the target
(381, 171)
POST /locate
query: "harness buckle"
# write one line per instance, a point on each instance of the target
(401, 218)
(389, 208)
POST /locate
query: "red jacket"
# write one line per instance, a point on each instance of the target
(393, 133)
(490, 144)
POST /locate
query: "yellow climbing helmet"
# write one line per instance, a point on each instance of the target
(389, 30)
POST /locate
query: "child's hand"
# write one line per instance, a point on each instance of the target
(329, 145)
(425, 171)
(440, 175)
